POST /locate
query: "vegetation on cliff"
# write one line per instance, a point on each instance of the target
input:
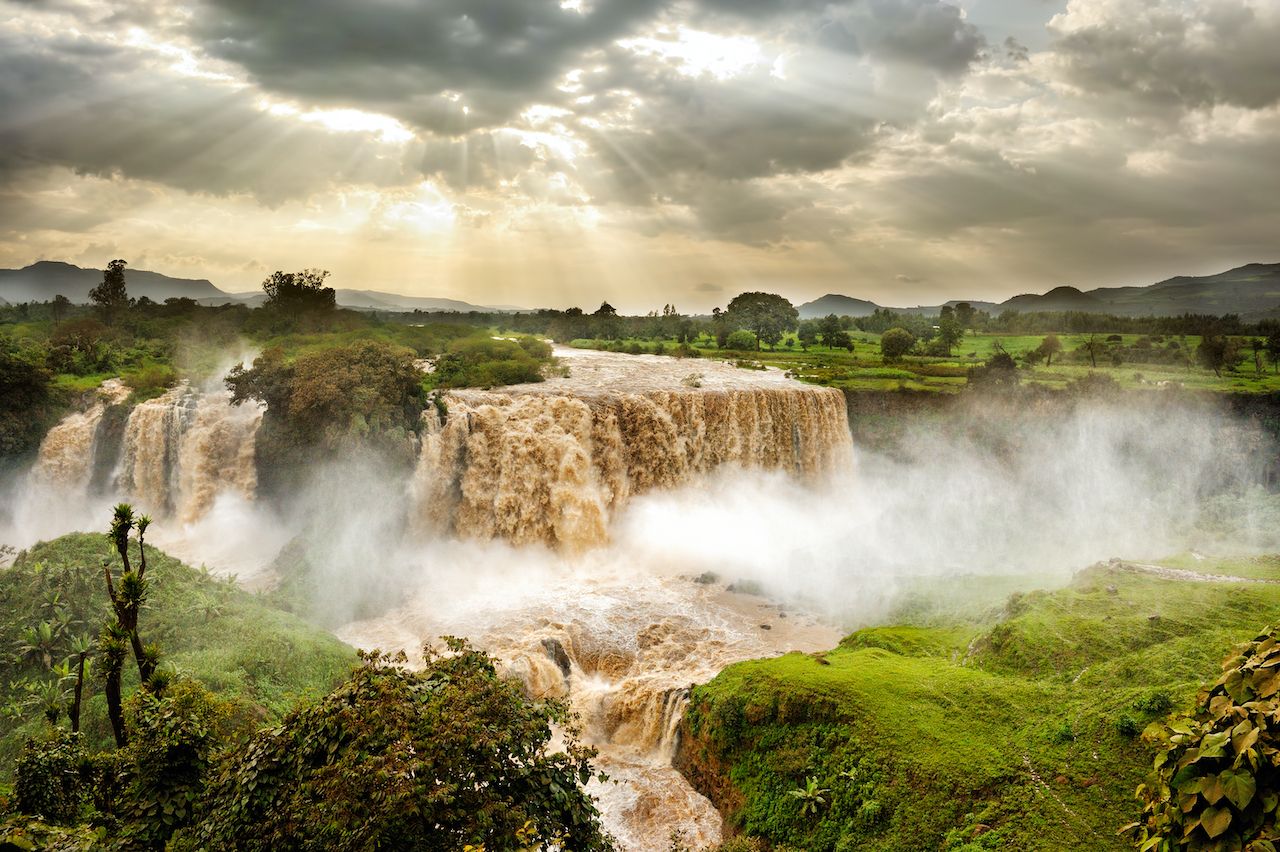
(1017, 728)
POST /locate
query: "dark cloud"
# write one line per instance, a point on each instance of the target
(108, 112)
(1175, 53)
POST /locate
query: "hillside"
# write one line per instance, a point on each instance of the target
(841, 306)
(1016, 729)
(43, 280)
(258, 657)
(1252, 290)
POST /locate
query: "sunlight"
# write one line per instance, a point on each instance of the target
(695, 53)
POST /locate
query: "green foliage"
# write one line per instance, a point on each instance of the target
(1215, 781)
(741, 341)
(766, 315)
(259, 659)
(27, 403)
(164, 769)
(48, 776)
(489, 362)
(150, 379)
(895, 343)
(110, 296)
(294, 294)
(438, 758)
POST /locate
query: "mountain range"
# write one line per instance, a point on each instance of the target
(1252, 290)
(43, 280)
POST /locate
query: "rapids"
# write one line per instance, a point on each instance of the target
(535, 477)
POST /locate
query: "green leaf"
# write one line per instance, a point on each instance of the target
(1215, 821)
(1238, 787)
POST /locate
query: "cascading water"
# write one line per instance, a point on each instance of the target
(552, 463)
(66, 456)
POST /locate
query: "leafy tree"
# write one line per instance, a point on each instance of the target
(829, 326)
(740, 340)
(439, 758)
(1049, 347)
(1217, 351)
(766, 315)
(26, 398)
(111, 296)
(1215, 783)
(840, 340)
(999, 373)
(299, 292)
(127, 595)
(965, 315)
(807, 333)
(1273, 349)
(895, 343)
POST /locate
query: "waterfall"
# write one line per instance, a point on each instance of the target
(553, 468)
(66, 456)
(183, 448)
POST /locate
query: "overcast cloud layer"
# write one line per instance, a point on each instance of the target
(645, 151)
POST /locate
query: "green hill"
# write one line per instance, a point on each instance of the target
(250, 653)
(1016, 729)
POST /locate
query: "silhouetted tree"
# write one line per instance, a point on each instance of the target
(299, 292)
(111, 296)
(60, 307)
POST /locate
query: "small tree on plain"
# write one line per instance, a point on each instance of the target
(111, 296)
(895, 343)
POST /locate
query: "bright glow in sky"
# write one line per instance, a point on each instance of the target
(558, 152)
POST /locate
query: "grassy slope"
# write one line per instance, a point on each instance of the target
(1012, 730)
(257, 656)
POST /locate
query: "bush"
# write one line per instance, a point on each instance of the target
(439, 758)
(1214, 782)
(47, 778)
(740, 340)
(1128, 727)
(150, 380)
(895, 343)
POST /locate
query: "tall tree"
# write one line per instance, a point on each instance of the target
(299, 292)
(766, 315)
(111, 296)
(1049, 347)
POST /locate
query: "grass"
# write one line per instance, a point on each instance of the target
(865, 369)
(256, 656)
(1012, 728)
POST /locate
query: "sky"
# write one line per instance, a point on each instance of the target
(564, 152)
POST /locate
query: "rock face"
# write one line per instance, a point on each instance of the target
(553, 469)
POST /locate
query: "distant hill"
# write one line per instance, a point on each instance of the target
(841, 306)
(45, 279)
(1253, 291)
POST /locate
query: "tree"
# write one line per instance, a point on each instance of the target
(1259, 346)
(895, 343)
(1094, 346)
(60, 307)
(1049, 347)
(949, 329)
(766, 315)
(110, 296)
(302, 292)
(441, 758)
(999, 373)
(965, 316)
(829, 326)
(1273, 349)
(840, 340)
(127, 595)
(1217, 351)
(807, 333)
(740, 340)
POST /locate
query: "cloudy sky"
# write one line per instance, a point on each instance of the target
(557, 152)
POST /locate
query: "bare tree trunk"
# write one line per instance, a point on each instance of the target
(75, 701)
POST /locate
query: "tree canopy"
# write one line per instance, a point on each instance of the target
(440, 758)
(766, 315)
(299, 292)
(111, 296)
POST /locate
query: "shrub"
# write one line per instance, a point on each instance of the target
(1127, 726)
(150, 380)
(1214, 782)
(895, 343)
(741, 340)
(47, 777)
(439, 758)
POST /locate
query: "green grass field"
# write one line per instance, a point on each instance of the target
(1010, 728)
(865, 369)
